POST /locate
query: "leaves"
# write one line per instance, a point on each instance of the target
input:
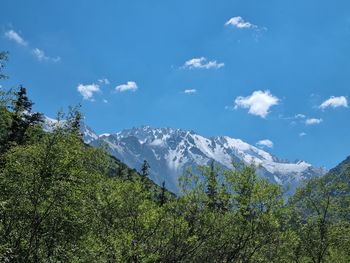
(63, 201)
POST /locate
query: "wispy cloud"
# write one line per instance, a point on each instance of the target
(190, 91)
(265, 143)
(38, 53)
(240, 23)
(104, 81)
(302, 134)
(299, 116)
(302, 119)
(87, 91)
(129, 86)
(41, 56)
(313, 121)
(14, 36)
(259, 103)
(202, 63)
(334, 102)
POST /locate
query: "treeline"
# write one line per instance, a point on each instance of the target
(63, 201)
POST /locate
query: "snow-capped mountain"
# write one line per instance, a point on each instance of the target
(170, 151)
(88, 134)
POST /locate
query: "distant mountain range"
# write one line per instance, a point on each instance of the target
(170, 151)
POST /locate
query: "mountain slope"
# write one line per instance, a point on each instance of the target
(117, 167)
(330, 194)
(170, 151)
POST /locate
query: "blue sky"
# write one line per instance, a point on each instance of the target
(277, 71)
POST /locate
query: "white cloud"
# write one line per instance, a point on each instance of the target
(104, 81)
(202, 63)
(190, 91)
(265, 143)
(40, 55)
(129, 86)
(87, 91)
(299, 116)
(295, 117)
(14, 36)
(105, 101)
(313, 121)
(258, 103)
(302, 134)
(239, 22)
(334, 102)
(229, 107)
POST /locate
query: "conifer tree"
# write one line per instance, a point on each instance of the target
(162, 196)
(145, 176)
(212, 186)
(22, 117)
(145, 169)
(5, 116)
(74, 120)
(223, 199)
(3, 59)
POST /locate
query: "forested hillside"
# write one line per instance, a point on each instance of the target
(64, 201)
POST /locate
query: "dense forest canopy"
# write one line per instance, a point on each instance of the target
(64, 201)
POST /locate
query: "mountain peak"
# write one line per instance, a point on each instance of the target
(170, 151)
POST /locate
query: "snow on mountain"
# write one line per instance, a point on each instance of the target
(88, 134)
(170, 151)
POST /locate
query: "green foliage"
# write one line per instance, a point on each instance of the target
(145, 169)
(64, 201)
(45, 195)
(3, 59)
(5, 124)
(22, 117)
(248, 228)
(19, 124)
(321, 217)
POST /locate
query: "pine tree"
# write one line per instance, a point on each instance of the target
(22, 117)
(3, 59)
(145, 169)
(145, 176)
(162, 199)
(212, 186)
(74, 120)
(223, 199)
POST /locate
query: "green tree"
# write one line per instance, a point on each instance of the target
(22, 117)
(145, 169)
(46, 191)
(3, 59)
(5, 116)
(318, 221)
(212, 185)
(250, 230)
(126, 224)
(162, 197)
